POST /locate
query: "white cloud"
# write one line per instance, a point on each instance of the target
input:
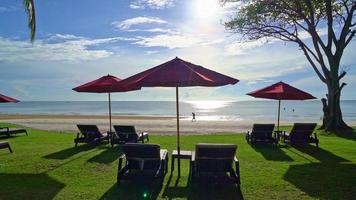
(4, 9)
(58, 47)
(126, 24)
(241, 48)
(262, 73)
(154, 30)
(151, 52)
(169, 41)
(153, 4)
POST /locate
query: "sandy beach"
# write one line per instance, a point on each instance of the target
(154, 125)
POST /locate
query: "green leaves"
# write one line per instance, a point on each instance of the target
(30, 9)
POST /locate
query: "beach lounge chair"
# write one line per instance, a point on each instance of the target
(127, 134)
(215, 160)
(143, 161)
(4, 145)
(262, 133)
(10, 131)
(301, 134)
(90, 134)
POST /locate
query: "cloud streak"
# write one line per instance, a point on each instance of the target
(153, 4)
(128, 23)
(169, 41)
(58, 47)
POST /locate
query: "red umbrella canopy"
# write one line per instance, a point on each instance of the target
(104, 85)
(6, 99)
(178, 73)
(281, 91)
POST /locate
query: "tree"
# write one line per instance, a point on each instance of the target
(291, 21)
(30, 9)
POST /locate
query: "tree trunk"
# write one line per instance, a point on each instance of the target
(334, 119)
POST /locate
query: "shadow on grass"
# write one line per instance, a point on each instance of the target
(146, 189)
(206, 189)
(67, 153)
(321, 154)
(5, 137)
(109, 155)
(270, 152)
(324, 181)
(349, 134)
(28, 186)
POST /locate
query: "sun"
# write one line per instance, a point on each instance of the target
(206, 9)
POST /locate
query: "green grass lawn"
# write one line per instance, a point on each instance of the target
(45, 165)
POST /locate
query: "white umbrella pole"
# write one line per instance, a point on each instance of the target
(178, 142)
(109, 110)
(279, 113)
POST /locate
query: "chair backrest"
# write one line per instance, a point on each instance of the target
(262, 130)
(302, 130)
(125, 129)
(89, 130)
(137, 154)
(214, 157)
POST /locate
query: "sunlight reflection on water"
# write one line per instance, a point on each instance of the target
(209, 106)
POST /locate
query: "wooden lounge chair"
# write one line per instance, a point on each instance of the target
(215, 160)
(262, 133)
(4, 145)
(127, 134)
(90, 134)
(9, 131)
(301, 134)
(142, 160)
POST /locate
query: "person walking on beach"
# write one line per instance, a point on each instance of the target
(193, 117)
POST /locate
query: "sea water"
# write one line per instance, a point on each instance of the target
(204, 110)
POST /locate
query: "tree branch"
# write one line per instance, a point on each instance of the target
(343, 73)
(321, 77)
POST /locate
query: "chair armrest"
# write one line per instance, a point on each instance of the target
(315, 136)
(78, 134)
(237, 170)
(121, 158)
(285, 135)
(237, 164)
(193, 156)
(7, 128)
(163, 154)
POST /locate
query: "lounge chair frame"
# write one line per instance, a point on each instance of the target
(262, 133)
(301, 134)
(142, 160)
(127, 134)
(214, 160)
(90, 134)
(12, 131)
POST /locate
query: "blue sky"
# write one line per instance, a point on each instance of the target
(78, 41)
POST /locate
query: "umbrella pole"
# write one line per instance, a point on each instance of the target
(178, 142)
(279, 113)
(109, 110)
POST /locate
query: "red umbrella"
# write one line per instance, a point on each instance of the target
(6, 99)
(178, 73)
(104, 85)
(281, 91)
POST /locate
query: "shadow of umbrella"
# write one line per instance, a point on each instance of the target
(324, 181)
(28, 186)
(207, 189)
(133, 190)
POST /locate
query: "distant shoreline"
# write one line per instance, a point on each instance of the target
(159, 125)
(77, 116)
